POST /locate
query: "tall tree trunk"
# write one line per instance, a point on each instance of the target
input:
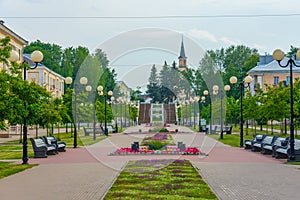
(272, 128)
(36, 131)
(71, 129)
(47, 126)
(21, 133)
(58, 132)
(52, 129)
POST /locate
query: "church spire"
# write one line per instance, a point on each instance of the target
(182, 58)
(182, 52)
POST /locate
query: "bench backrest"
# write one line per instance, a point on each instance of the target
(297, 144)
(280, 142)
(218, 128)
(268, 139)
(259, 138)
(227, 128)
(39, 142)
(92, 129)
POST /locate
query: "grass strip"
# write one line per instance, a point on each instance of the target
(159, 179)
(7, 169)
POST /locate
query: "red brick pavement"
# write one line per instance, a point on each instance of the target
(220, 153)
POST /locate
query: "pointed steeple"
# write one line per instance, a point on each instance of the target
(182, 52)
(182, 58)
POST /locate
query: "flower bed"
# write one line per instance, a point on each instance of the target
(169, 150)
(159, 179)
(158, 144)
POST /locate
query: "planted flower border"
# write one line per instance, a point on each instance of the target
(171, 150)
(159, 179)
(159, 144)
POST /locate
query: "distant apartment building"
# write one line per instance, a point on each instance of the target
(53, 82)
(16, 42)
(45, 77)
(124, 89)
(268, 72)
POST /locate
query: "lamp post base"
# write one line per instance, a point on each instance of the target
(291, 159)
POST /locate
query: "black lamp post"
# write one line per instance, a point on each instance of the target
(36, 57)
(83, 81)
(242, 85)
(98, 91)
(125, 111)
(109, 93)
(195, 100)
(112, 100)
(205, 93)
(278, 55)
(116, 104)
(221, 95)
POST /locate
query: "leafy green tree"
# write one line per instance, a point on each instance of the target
(153, 86)
(276, 103)
(292, 52)
(133, 112)
(52, 54)
(169, 80)
(4, 50)
(67, 62)
(234, 61)
(297, 102)
(232, 111)
(250, 108)
(102, 58)
(80, 54)
(67, 115)
(100, 112)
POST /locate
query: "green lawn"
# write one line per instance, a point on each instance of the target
(14, 149)
(7, 169)
(231, 139)
(160, 179)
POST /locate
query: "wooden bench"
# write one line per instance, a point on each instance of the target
(41, 149)
(269, 148)
(60, 146)
(284, 152)
(87, 131)
(257, 146)
(257, 138)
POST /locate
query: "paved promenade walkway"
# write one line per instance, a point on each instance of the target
(88, 172)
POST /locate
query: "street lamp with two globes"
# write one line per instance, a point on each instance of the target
(242, 85)
(36, 57)
(278, 55)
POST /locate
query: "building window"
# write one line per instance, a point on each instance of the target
(287, 80)
(276, 80)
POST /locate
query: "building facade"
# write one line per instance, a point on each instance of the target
(53, 82)
(16, 42)
(269, 73)
(124, 89)
(45, 77)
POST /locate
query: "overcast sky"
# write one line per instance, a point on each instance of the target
(261, 24)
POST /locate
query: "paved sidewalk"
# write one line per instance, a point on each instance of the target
(31, 133)
(87, 173)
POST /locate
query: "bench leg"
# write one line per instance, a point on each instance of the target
(52, 152)
(40, 154)
(280, 155)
